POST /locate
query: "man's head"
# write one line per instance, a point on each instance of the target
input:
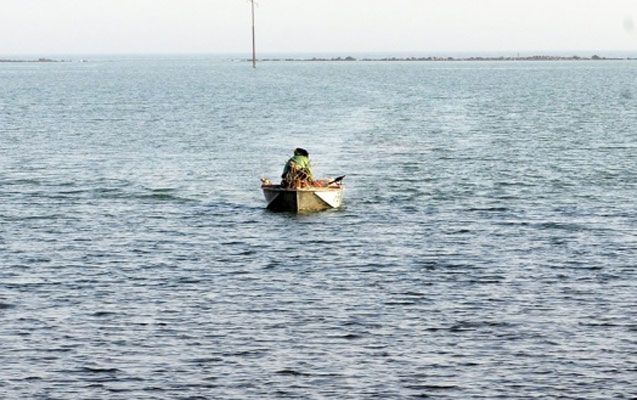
(301, 152)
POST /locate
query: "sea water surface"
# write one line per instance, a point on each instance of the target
(487, 247)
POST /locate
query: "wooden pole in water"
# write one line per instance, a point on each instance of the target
(254, 49)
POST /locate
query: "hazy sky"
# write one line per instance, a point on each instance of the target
(223, 26)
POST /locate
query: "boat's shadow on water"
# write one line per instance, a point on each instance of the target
(236, 208)
(302, 215)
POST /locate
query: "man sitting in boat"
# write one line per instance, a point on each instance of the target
(298, 171)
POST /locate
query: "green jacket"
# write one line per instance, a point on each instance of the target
(301, 163)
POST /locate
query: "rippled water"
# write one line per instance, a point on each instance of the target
(487, 247)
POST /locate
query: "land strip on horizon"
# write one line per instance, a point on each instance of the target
(473, 58)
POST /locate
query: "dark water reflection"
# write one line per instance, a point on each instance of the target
(487, 247)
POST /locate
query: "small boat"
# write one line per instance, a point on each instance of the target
(303, 199)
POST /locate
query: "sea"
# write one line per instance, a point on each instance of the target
(486, 247)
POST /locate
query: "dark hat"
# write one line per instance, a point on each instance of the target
(301, 152)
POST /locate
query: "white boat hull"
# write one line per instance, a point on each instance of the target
(302, 199)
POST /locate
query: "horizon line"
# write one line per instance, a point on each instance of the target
(570, 52)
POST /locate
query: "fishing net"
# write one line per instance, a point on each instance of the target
(295, 178)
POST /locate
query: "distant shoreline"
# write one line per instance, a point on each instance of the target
(432, 58)
(39, 60)
(382, 59)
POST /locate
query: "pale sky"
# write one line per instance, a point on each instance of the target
(320, 26)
